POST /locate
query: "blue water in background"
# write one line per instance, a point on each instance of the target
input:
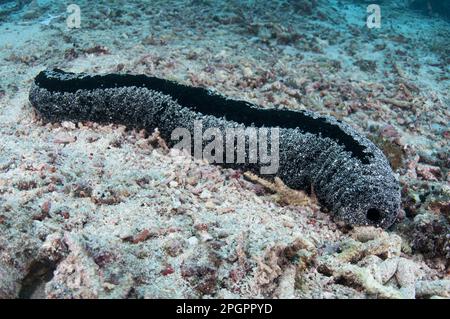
(427, 7)
(441, 7)
(345, 12)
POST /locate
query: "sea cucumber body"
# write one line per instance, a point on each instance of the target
(348, 173)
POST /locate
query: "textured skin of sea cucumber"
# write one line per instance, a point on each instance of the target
(349, 174)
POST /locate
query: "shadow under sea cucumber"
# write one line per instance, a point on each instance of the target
(349, 174)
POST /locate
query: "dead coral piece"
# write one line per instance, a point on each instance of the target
(428, 172)
(365, 241)
(283, 194)
(140, 237)
(25, 185)
(406, 275)
(365, 234)
(76, 276)
(286, 286)
(64, 139)
(276, 261)
(425, 288)
(387, 269)
(157, 141)
(401, 104)
(97, 50)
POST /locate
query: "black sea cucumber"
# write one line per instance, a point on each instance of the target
(349, 174)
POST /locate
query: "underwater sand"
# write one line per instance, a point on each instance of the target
(92, 211)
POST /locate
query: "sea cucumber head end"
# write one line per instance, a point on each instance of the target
(372, 208)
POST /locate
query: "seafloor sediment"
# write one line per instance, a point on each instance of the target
(100, 211)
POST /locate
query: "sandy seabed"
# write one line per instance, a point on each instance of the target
(99, 211)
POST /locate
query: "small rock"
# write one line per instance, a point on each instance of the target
(173, 184)
(168, 270)
(140, 237)
(64, 139)
(428, 172)
(433, 288)
(387, 269)
(192, 241)
(247, 72)
(407, 272)
(205, 194)
(68, 125)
